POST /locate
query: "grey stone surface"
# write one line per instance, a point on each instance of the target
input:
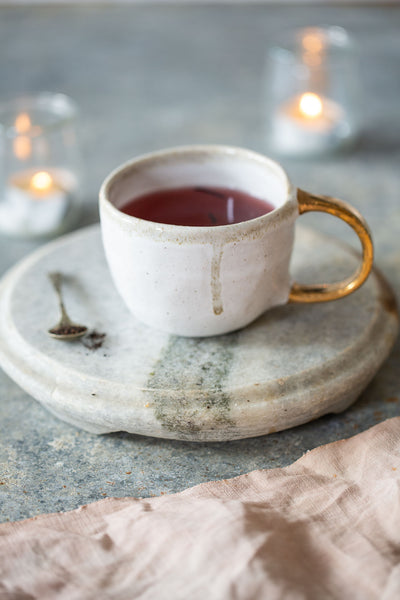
(291, 365)
(150, 77)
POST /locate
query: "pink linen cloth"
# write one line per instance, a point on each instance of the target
(325, 527)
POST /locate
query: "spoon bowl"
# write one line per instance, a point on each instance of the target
(67, 331)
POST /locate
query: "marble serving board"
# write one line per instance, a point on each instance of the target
(294, 364)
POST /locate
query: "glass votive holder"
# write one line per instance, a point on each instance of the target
(39, 169)
(312, 92)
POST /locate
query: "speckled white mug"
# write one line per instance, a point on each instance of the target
(202, 281)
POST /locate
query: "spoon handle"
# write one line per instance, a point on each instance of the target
(56, 280)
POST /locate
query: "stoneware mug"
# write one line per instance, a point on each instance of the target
(203, 281)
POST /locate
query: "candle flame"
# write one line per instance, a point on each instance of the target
(313, 46)
(313, 42)
(22, 123)
(22, 147)
(41, 181)
(310, 105)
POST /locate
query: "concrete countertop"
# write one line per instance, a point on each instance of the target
(149, 77)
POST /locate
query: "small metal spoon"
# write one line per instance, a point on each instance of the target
(65, 328)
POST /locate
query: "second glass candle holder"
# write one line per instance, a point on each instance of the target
(40, 166)
(312, 92)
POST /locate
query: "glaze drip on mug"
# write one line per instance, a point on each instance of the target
(197, 206)
(216, 280)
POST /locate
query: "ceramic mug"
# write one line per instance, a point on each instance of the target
(203, 281)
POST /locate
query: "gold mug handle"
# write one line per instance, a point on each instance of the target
(331, 291)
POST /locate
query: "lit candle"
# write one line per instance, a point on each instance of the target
(39, 183)
(36, 201)
(307, 124)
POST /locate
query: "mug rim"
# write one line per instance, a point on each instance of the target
(232, 230)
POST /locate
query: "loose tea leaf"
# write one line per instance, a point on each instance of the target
(93, 340)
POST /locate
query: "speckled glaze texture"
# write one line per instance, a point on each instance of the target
(199, 281)
(294, 364)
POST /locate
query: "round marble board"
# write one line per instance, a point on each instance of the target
(295, 363)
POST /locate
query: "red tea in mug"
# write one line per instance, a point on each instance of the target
(197, 206)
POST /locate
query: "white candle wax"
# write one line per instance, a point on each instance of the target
(300, 127)
(36, 201)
